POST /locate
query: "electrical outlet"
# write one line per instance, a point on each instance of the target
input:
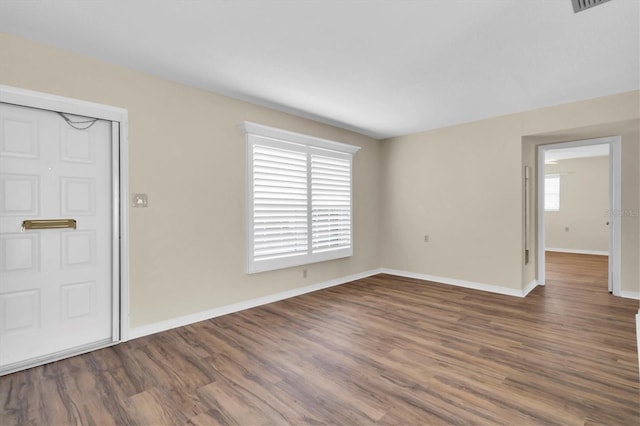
(426, 238)
(304, 273)
(566, 229)
(140, 200)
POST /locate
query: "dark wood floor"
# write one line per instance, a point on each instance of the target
(382, 350)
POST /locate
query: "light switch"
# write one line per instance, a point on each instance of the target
(140, 200)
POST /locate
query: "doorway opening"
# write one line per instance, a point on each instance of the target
(565, 223)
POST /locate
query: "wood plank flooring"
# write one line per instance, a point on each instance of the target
(382, 350)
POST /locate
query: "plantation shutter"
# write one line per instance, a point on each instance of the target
(298, 198)
(330, 203)
(279, 203)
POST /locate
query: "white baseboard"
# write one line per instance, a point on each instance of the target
(462, 283)
(157, 327)
(529, 288)
(146, 330)
(630, 294)
(578, 251)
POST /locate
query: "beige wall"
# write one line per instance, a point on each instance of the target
(186, 152)
(463, 186)
(584, 205)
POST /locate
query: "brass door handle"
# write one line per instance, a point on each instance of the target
(48, 224)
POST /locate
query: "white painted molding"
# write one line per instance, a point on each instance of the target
(460, 283)
(157, 327)
(30, 98)
(615, 179)
(630, 294)
(298, 138)
(529, 288)
(577, 251)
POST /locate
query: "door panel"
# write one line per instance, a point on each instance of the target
(56, 285)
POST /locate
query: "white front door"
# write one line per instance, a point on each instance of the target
(56, 284)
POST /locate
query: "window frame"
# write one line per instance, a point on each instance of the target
(556, 194)
(261, 135)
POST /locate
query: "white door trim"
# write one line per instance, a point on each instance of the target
(120, 164)
(615, 191)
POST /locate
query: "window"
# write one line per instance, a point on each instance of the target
(299, 199)
(552, 192)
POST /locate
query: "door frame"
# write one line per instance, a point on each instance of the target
(119, 118)
(615, 205)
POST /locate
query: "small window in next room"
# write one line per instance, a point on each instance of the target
(298, 199)
(552, 192)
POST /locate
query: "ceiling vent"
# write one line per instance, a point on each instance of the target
(580, 5)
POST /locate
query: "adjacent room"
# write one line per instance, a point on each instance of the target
(319, 212)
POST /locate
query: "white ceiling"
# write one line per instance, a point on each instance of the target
(383, 68)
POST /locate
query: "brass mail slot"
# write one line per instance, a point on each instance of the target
(49, 224)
